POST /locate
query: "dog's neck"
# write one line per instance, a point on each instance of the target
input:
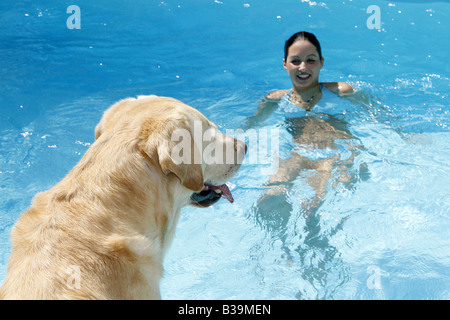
(124, 189)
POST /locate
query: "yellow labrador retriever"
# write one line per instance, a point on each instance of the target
(101, 233)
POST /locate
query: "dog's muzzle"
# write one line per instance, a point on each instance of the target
(211, 194)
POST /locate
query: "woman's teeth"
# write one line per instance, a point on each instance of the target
(303, 76)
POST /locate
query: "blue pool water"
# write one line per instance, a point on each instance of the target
(383, 233)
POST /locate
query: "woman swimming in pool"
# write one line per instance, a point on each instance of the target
(303, 61)
(310, 113)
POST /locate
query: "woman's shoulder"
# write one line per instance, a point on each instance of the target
(276, 95)
(340, 88)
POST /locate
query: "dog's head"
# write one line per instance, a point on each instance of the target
(181, 142)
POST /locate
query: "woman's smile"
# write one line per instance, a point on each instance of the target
(304, 76)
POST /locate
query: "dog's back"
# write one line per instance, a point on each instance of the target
(72, 249)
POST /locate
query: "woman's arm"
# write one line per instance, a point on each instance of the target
(267, 105)
(263, 112)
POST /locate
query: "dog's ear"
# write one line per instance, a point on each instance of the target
(189, 172)
(175, 156)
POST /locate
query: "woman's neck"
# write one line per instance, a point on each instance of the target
(306, 98)
(306, 91)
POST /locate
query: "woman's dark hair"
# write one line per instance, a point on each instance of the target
(302, 35)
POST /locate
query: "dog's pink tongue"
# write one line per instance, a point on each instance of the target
(226, 193)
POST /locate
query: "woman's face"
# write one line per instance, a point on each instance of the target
(303, 65)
